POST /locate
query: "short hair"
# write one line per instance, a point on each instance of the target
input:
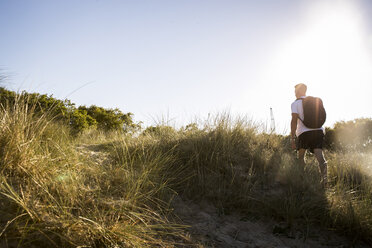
(301, 87)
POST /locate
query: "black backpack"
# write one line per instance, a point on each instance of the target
(314, 112)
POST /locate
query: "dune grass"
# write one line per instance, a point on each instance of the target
(116, 190)
(52, 195)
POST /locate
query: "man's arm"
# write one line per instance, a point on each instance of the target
(293, 129)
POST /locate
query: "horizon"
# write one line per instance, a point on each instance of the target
(186, 60)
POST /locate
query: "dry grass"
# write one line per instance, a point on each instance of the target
(116, 190)
(51, 195)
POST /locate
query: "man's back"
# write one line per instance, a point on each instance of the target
(297, 108)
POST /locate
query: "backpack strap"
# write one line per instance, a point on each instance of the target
(302, 107)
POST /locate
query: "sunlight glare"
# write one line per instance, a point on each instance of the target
(330, 55)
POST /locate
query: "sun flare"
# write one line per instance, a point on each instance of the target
(330, 55)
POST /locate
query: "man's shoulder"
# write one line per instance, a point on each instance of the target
(295, 105)
(295, 102)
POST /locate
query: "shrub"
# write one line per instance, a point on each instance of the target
(354, 135)
(80, 119)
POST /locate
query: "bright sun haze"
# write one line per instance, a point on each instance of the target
(332, 54)
(185, 59)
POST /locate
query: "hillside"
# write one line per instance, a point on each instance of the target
(220, 184)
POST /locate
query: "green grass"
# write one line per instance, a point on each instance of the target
(116, 190)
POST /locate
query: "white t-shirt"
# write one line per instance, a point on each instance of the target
(297, 108)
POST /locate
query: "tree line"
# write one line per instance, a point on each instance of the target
(78, 118)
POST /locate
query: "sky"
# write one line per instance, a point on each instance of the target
(182, 60)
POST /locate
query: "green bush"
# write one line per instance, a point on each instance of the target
(161, 131)
(354, 135)
(109, 119)
(80, 119)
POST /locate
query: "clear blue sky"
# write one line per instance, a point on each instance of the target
(184, 59)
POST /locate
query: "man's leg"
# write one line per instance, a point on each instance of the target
(301, 157)
(322, 164)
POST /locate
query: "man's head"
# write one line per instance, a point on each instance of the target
(300, 90)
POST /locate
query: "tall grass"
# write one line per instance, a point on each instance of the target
(52, 195)
(116, 190)
(229, 163)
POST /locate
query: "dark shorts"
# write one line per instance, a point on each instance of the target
(310, 140)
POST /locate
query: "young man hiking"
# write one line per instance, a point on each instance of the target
(309, 136)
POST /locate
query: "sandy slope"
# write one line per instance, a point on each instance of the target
(210, 229)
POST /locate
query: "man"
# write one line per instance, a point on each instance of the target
(308, 138)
